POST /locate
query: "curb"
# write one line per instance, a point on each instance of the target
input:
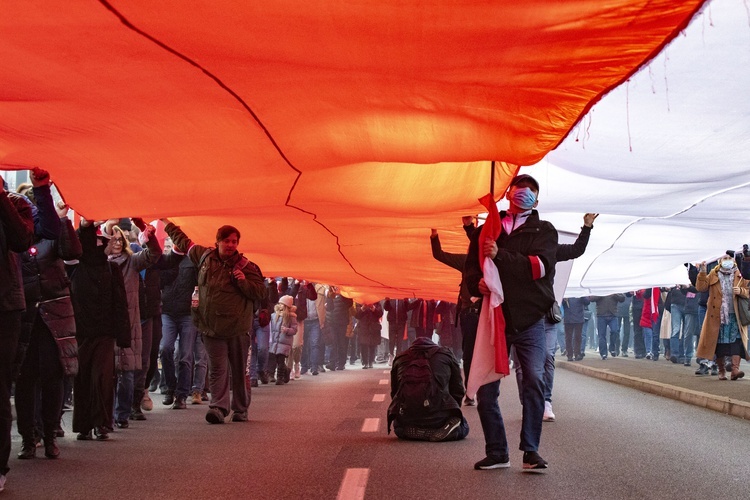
(721, 404)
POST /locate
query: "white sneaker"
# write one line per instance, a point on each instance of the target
(297, 371)
(2, 482)
(390, 360)
(548, 415)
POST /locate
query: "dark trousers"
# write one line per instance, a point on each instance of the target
(227, 361)
(469, 321)
(153, 362)
(368, 354)
(94, 386)
(573, 332)
(10, 330)
(41, 368)
(340, 346)
(395, 337)
(140, 376)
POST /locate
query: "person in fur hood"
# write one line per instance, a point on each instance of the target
(283, 330)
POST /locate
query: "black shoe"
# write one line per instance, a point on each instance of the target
(50, 447)
(613, 354)
(570, 359)
(442, 433)
(254, 383)
(624, 354)
(239, 417)
(489, 462)
(214, 416)
(59, 432)
(579, 357)
(532, 462)
(168, 399)
(674, 359)
(84, 436)
(28, 450)
(702, 369)
(122, 424)
(714, 370)
(315, 372)
(137, 414)
(686, 363)
(102, 433)
(263, 376)
(179, 403)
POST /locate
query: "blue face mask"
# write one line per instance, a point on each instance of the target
(727, 264)
(524, 198)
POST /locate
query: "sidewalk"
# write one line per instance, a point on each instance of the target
(670, 380)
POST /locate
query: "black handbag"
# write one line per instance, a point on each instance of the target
(554, 315)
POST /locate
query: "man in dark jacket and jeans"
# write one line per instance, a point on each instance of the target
(441, 420)
(228, 285)
(525, 256)
(16, 234)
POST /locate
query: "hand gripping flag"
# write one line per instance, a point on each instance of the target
(490, 358)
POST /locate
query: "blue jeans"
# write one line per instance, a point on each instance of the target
(530, 353)
(200, 367)
(312, 347)
(602, 322)
(179, 381)
(651, 339)
(259, 351)
(124, 395)
(676, 347)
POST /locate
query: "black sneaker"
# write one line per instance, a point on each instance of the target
(84, 436)
(702, 369)
(214, 416)
(179, 403)
(168, 399)
(532, 462)
(490, 462)
(239, 417)
(137, 414)
(122, 424)
(442, 433)
(101, 433)
(714, 370)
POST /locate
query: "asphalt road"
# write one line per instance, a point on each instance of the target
(311, 439)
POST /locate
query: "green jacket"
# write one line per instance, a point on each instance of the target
(225, 306)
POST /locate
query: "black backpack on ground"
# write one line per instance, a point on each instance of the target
(418, 396)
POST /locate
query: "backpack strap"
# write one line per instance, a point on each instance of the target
(204, 257)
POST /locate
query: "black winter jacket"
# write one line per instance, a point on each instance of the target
(16, 235)
(526, 300)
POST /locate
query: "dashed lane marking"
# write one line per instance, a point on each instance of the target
(378, 398)
(354, 484)
(384, 381)
(371, 425)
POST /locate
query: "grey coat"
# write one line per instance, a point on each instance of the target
(129, 358)
(282, 337)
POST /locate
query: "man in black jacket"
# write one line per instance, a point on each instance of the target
(525, 256)
(16, 233)
(436, 416)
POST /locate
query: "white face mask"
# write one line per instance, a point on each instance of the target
(727, 264)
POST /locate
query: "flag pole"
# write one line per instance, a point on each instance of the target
(492, 180)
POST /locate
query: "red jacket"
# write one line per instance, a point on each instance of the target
(650, 315)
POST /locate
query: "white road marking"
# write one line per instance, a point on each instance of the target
(386, 372)
(354, 484)
(378, 398)
(384, 381)
(371, 425)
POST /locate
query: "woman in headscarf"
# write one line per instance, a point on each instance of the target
(722, 334)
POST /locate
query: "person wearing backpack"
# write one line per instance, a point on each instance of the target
(228, 285)
(426, 394)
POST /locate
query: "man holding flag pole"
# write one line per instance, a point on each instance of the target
(510, 262)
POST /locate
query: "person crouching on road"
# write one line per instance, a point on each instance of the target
(228, 285)
(426, 394)
(283, 330)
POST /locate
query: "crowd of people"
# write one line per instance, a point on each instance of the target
(87, 315)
